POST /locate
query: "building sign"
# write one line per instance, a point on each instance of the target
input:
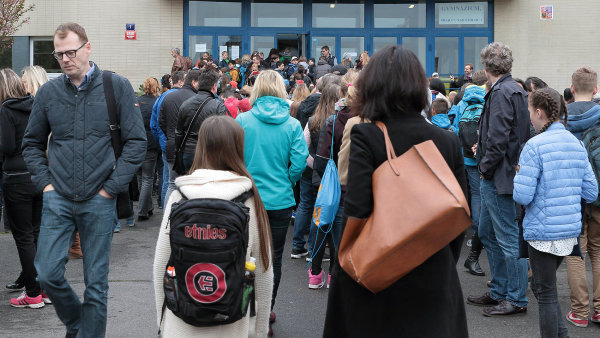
(130, 31)
(462, 13)
(546, 12)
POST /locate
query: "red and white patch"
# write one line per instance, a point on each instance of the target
(205, 282)
(136, 104)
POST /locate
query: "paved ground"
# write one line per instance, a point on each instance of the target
(300, 311)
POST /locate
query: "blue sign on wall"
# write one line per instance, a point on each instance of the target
(130, 26)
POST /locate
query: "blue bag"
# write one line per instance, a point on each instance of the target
(330, 191)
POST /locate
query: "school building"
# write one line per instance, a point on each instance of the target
(549, 39)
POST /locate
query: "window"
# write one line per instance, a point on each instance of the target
(380, 42)
(465, 14)
(446, 55)
(328, 14)
(6, 58)
(318, 42)
(418, 45)
(262, 44)
(200, 44)
(231, 44)
(277, 14)
(391, 14)
(473, 47)
(41, 54)
(352, 47)
(216, 13)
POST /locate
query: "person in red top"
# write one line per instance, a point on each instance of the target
(231, 102)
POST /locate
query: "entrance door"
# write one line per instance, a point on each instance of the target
(290, 42)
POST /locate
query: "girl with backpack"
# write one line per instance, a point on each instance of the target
(218, 171)
(552, 177)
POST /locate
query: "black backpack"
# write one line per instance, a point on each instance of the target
(468, 127)
(204, 278)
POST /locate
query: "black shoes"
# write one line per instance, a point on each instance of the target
(17, 285)
(485, 300)
(472, 264)
(143, 218)
(505, 308)
(72, 334)
(299, 253)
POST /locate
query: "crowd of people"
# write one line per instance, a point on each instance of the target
(271, 130)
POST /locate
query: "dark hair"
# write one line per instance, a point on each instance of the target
(207, 79)
(437, 85)
(551, 103)
(232, 61)
(301, 69)
(192, 75)
(279, 63)
(325, 48)
(519, 81)
(227, 93)
(164, 81)
(221, 147)
(567, 94)
(470, 65)
(393, 83)
(440, 106)
(536, 82)
(63, 30)
(178, 76)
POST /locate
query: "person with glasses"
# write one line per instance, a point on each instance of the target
(80, 176)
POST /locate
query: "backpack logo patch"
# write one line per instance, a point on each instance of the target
(205, 282)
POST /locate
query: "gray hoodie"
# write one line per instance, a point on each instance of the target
(322, 68)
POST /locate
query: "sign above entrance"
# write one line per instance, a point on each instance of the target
(462, 13)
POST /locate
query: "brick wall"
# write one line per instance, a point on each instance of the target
(553, 49)
(159, 26)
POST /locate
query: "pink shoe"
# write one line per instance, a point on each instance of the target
(595, 317)
(315, 282)
(25, 301)
(576, 321)
(328, 280)
(45, 298)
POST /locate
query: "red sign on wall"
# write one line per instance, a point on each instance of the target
(130, 35)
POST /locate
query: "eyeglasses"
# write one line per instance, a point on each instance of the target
(70, 53)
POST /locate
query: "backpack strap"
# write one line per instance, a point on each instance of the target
(162, 315)
(243, 197)
(182, 194)
(111, 105)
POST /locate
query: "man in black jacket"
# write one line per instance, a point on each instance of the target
(167, 120)
(207, 88)
(80, 176)
(503, 130)
(466, 78)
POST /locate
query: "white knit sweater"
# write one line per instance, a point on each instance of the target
(225, 185)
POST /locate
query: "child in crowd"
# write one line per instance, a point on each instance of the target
(219, 171)
(552, 177)
(233, 72)
(439, 113)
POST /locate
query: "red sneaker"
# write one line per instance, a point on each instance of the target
(45, 298)
(576, 321)
(272, 317)
(595, 317)
(25, 301)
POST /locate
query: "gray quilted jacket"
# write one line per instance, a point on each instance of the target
(81, 158)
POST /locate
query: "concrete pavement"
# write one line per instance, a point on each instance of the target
(300, 311)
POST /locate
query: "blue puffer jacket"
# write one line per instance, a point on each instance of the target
(441, 120)
(554, 174)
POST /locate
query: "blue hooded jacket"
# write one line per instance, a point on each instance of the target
(275, 150)
(552, 177)
(473, 94)
(582, 116)
(154, 127)
(441, 120)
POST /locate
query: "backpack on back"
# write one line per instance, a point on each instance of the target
(204, 278)
(591, 142)
(468, 127)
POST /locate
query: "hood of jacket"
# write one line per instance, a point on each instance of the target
(474, 94)
(441, 120)
(322, 62)
(19, 104)
(582, 115)
(204, 183)
(271, 109)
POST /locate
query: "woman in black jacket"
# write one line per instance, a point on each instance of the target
(428, 301)
(146, 177)
(23, 201)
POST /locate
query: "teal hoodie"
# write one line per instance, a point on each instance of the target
(275, 150)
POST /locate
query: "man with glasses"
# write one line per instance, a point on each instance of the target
(80, 176)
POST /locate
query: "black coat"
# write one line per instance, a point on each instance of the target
(460, 81)
(186, 113)
(146, 102)
(427, 302)
(307, 108)
(167, 118)
(503, 130)
(14, 115)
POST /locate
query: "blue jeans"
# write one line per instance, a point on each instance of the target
(474, 179)
(499, 234)
(165, 180)
(280, 222)
(94, 219)
(302, 224)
